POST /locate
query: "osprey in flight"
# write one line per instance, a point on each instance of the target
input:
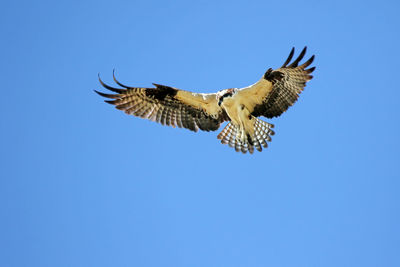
(272, 95)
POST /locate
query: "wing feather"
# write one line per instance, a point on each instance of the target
(117, 82)
(295, 63)
(167, 105)
(289, 58)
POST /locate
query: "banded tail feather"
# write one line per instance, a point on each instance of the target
(231, 135)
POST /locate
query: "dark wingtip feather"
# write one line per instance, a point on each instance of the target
(99, 93)
(289, 58)
(116, 90)
(107, 95)
(310, 70)
(308, 62)
(112, 102)
(117, 82)
(300, 57)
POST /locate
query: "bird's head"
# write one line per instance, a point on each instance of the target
(225, 93)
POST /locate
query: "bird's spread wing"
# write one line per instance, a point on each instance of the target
(278, 89)
(168, 106)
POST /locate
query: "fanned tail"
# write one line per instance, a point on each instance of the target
(231, 135)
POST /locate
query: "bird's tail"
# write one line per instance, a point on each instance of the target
(232, 135)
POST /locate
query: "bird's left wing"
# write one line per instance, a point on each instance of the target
(278, 89)
(168, 106)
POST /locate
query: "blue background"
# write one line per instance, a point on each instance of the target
(83, 184)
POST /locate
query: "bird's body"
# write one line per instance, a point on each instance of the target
(273, 94)
(240, 116)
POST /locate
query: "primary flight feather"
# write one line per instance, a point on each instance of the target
(272, 95)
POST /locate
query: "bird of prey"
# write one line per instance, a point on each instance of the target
(272, 95)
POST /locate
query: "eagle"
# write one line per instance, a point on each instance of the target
(272, 95)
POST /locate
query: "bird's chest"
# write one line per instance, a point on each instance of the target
(235, 109)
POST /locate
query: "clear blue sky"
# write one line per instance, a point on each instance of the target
(83, 184)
